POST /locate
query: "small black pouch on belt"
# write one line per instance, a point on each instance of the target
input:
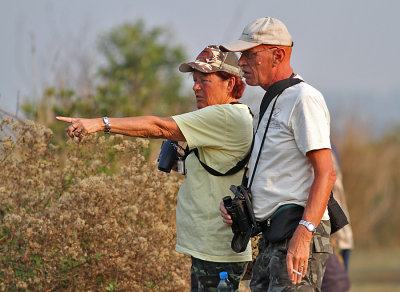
(336, 215)
(282, 224)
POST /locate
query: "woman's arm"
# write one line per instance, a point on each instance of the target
(144, 126)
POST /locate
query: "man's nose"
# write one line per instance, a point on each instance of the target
(242, 61)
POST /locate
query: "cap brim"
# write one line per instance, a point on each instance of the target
(191, 66)
(238, 46)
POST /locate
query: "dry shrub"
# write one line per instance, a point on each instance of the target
(93, 217)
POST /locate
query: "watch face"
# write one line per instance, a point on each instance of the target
(311, 227)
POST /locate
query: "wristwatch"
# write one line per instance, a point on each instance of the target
(309, 225)
(108, 125)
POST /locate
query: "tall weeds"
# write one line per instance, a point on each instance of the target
(97, 217)
(371, 174)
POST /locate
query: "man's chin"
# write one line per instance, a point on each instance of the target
(251, 82)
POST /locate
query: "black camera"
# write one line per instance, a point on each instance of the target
(241, 211)
(237, 210)
(168, 155)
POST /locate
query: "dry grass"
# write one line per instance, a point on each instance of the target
(86, 222)
(371, 172)
(375, 270)
(97, 216)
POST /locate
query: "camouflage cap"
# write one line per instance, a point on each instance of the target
(212, 59)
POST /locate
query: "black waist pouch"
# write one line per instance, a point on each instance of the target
(282, 224)
(337, 217)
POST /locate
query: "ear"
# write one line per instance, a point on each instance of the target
(278, 56)
(231, 84)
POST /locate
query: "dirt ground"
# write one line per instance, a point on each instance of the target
(375, 270)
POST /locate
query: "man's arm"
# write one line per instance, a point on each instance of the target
(324, 178)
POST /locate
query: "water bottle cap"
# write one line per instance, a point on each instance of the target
(223, 275)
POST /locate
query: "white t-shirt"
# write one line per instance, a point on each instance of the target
(300, 123)
(223, 136)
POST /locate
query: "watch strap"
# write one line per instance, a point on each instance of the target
(309, 225)
(107, 125)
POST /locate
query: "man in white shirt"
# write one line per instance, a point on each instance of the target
(295, 165)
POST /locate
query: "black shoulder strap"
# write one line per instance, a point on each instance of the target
(231, 171)
(276, 89)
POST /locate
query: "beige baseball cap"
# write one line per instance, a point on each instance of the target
(266, 30)
(212, 59)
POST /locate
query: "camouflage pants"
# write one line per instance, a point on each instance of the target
(270, 272)
(205, 275)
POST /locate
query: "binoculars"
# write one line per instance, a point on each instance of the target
(168, 155)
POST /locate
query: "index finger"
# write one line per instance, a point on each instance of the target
(65, 119)
(222, 208)
(289, 265)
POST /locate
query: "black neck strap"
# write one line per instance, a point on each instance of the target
(231, 171)
(242, 163)
(275, 90)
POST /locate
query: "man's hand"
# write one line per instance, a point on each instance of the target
(299, 246)
(298, 254)
(225, 216)
(80, 127)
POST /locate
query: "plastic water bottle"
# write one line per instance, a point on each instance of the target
(224, 284)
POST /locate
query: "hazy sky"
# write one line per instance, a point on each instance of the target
(342, 46)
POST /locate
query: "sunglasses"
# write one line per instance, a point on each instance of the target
(249, 54)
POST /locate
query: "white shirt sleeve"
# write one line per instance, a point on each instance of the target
(310, 123)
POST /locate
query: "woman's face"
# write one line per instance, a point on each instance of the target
(209, 89)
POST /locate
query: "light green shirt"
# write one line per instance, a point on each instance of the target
(223, 135)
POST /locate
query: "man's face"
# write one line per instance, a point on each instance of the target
(257, 64)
